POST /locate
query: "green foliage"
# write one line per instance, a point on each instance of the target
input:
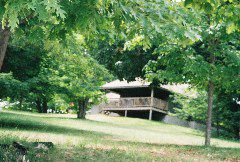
(191, 64)
(62, 68)
(14, 12)
(227, 114)
(75, 71)
(122, 63)
(24, 62)
(59, 103)
(224, 12)
(213, 59)
(11, 87)
(193, 109)
(226, 111)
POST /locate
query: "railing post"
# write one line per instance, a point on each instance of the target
(150, 114)
(151, 111)
(152, 95)
(125, 113)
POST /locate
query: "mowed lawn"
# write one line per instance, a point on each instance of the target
(104, 138)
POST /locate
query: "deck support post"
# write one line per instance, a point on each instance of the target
(151, 111)
(125, 113)
(152, 95)
(150, 114)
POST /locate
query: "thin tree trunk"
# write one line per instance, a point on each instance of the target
(82, 107)
(217, 112)
(210, 94)
(209, 113)
(218, 126)
(44, 106)
(38, 105)
(4, 37)
(20, 102)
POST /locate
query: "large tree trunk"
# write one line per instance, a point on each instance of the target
(209, 113)
(4, 37)
(82, 107)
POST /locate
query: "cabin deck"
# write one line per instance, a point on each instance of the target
(136, 103)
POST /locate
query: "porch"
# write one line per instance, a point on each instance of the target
(136, 103)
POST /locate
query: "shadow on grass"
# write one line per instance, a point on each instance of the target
(79, 153)
(190, 151)
(136, 149)
(36, 123)
(28, 115)
(200, 147)
(25, 122)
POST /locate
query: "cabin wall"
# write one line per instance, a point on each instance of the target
(161, 94)
(135, 92)
(142, 92)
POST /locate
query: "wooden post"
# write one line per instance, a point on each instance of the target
(125, 113)
(152, 95)
(150, 114)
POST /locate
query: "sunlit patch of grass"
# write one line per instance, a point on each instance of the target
(111, 138)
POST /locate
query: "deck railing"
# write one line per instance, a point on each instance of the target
(136, 102)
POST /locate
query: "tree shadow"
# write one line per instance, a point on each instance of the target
(196, 147)
(11, 121)
(34, 123)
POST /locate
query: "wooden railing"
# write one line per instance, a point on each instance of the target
(135, 102)
(160, 104)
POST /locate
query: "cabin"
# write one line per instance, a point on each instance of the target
(137, 97)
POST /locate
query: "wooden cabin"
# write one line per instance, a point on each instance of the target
(137, 96)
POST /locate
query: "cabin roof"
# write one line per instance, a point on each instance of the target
(172, 88)
(117, 84)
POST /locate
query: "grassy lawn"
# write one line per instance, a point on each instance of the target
(103, 138)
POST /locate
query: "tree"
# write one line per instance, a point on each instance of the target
(23, 64)
(127, 19)
(11, 87)
(223, 11)
(138, 28)
(211, 62)
(54, 18)
(226, 111)
(15, 13)
(201, 28)
(76, 72)
(28, 64)
(221, 14)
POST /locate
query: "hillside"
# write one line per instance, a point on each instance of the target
(111, 138)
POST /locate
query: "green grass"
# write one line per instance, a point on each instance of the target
(104, 138)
